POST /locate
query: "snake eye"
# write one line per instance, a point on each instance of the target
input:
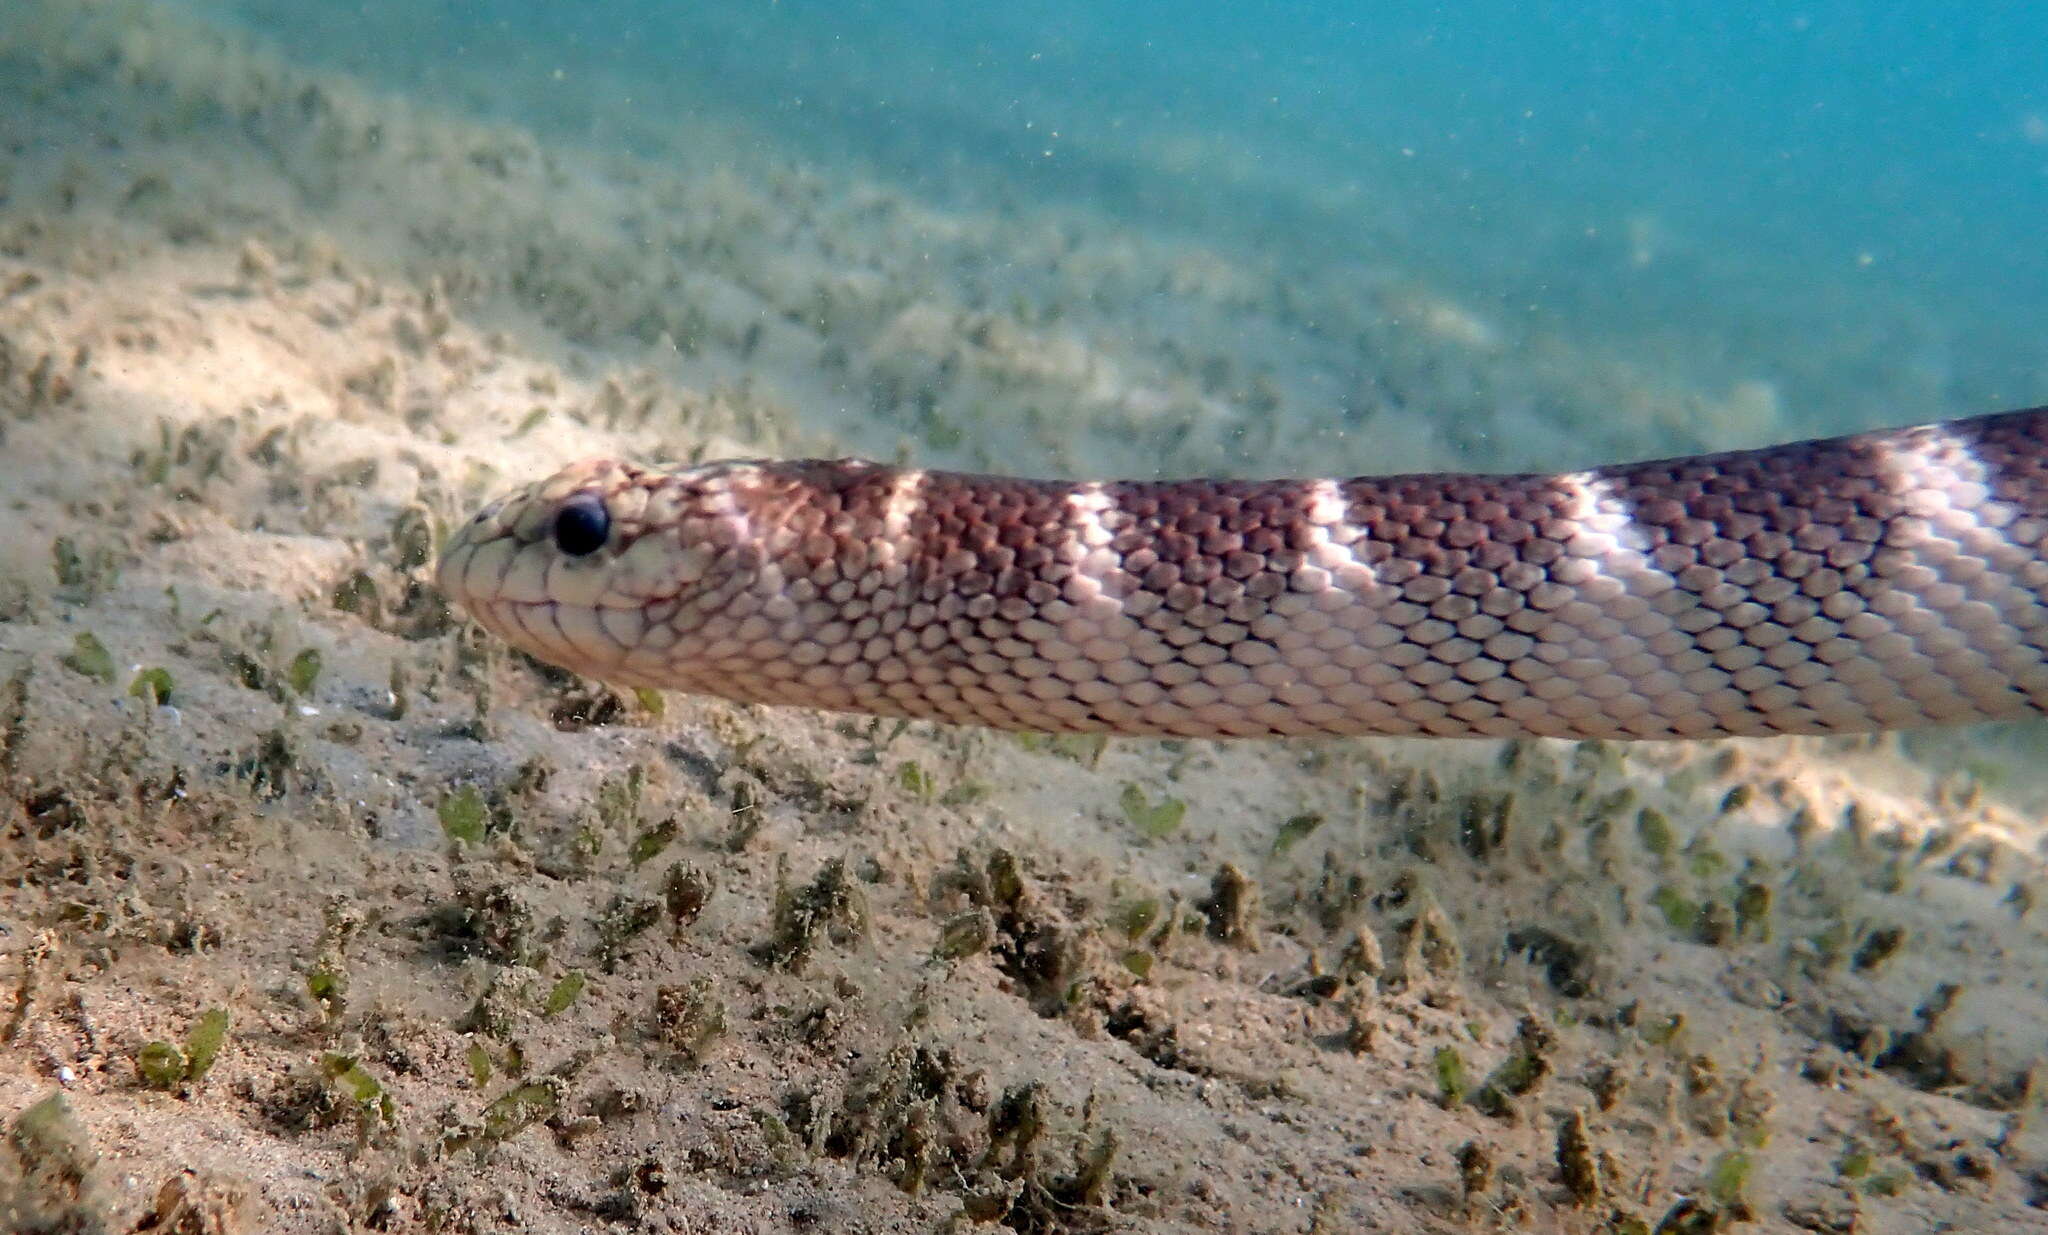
(582, 525)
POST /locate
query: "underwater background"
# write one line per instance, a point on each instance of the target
(320, 912)
(1839, 200)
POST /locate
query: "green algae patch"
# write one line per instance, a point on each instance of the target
(1157, 820)
(462, 815)
(347, 1074)
(1294, 831)
(1083, 748)
(164, 1066)
(1134, 918)
(563, 993)
(204, 1044)
(327, 987)
(303, 673)
(917, 782)
(618, 799)
(648, 845)
(520, 1108)
(89, 657)
(1653, 829)
(1451, 1084)
(152, 686)
(1681, 912)
(160, 1065)
(1728, 1178)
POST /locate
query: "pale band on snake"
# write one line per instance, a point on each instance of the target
(1880, 581)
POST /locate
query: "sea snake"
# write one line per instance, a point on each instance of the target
(1874, 582)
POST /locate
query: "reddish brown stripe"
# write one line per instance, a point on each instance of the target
(1860, 583)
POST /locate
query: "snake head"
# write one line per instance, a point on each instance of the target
(595, 568)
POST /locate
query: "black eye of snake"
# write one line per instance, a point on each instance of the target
(582, 525)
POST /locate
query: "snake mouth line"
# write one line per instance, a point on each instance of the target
(535, 627)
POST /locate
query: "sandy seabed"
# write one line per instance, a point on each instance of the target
(321, 913)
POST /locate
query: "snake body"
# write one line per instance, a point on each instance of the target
(1879, 581)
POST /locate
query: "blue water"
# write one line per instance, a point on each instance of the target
(1843, 199)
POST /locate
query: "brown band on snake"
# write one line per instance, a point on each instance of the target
(1863, 583)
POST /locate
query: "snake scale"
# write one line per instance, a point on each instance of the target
(1879, 581)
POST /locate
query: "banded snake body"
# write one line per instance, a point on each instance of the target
(1879, 581)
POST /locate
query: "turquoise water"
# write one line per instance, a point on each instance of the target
(1840, 199)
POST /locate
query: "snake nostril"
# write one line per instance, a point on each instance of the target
(582, 525)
